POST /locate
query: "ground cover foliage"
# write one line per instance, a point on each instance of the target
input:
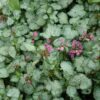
(49, 50)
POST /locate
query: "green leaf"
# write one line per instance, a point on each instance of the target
(28, 88)
(86, 83)
(13, 92)
(55, 6)
(14, 78)
(78, 62)
(93, 1)
(77, 11)
(96, 92)
(20, 29)
(40, 21)
(33, 26)
(55, 87)
(63, 19)
(42, 95)
(2, 65)
(92, 65)
(10, 21)
(36, 75)
(28, 47)
(81, 81)
(3, 73)
(17, 15)
(7, 33)
(71, 91)
(69, 33)
(64, 3)
(58, 98)
(14, 4)
(12, 51)
(58, 42)
(2, 58)
(67, 67)
(2, 87)
(52, 30)
(83, 25)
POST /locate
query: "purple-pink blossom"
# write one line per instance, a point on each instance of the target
(91, 37)
(60, 48)
(86, 36)
(33, 41)
(48, 47)
(76, 49)
(48, 40)
(35, 34)
(76, 45)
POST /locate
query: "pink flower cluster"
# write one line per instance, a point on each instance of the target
(49, 40)
(62, 41)
(76, 49)
(33, 41)
(35, 34)
(48, 47)
(87, 37)
(60, 48)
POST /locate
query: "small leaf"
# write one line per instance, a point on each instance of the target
(64, 3)
(10, 21)
(14, 78)
(77, 11)
(3, 73)
(13, 92)
(2, 87)
(59, 42)
(6, 33)
(69, 33)
(12, 51)
(36, 75)
(63, 19)
(67, 67)
(55, 87)
(4, 50)
(81, 81)
(78, 62)
(2, 58)
(52, 30)
(93, 1)
(28, 47)
(96, 92)
(14, 4)
(71, 91)
(20, 29)
(40, 21)
(28, 88)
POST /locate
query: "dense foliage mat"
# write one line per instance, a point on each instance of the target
(49, 49)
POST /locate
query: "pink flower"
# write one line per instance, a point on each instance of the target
(48, 40)
(33, 41)
(72, 53)
(35, 34)
(86, 36)
(77, 49)
(76, 45)
(48, 47)
(60, 48)
(91, 37)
